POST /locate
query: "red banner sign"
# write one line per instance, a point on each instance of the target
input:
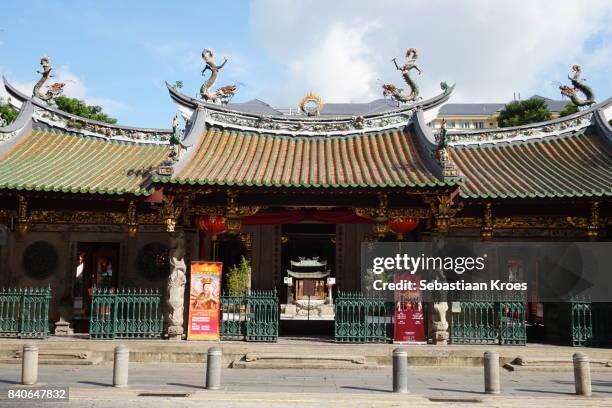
(408, 321)
(204, 300)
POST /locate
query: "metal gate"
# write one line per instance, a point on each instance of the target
(487, 319)
(24, 312)
(126, 313)
(359, 319)
(253, 317)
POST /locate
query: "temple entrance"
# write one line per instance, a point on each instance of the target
(96, 264)
(308, 258)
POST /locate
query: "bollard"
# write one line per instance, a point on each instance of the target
(491, 372)
(29, 364)
(582, 374)
(400, 370)
(214, 361)
(120, 368)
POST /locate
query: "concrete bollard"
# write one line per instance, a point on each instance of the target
(29, 364)
(121, 366)
(400, 370)
(214, 362)
(582, 374)
(491, 372)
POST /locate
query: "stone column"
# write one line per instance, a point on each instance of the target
(176, 285)
(438, 329)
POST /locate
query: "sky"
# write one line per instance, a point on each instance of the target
(119, 54)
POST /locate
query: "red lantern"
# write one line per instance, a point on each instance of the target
(403, 225)
(213, 224)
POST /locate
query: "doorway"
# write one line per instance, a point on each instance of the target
(96, 264)
(312, 241)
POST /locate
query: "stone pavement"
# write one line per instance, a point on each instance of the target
(195, 352)
(90, 386)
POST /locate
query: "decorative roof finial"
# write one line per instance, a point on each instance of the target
(449, 170)
(311, 104)
(578, 85)
(175, 150)
(54, 89)
(397, 93)
(222, 95)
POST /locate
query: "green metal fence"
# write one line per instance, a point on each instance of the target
(581, 321)
(126, 313)
(512, 320)
(487, 319)
(360, 319)
(472, 321)
(253, 317)
(24, 312)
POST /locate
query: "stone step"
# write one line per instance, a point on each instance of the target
(57, 357)
(56, 361)
(309, 361)
(556, 361)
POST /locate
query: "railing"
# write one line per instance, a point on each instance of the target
(581, 321)
(512, 320)
(473, 321)
(24, 312)
(253, 317)
(126, 314)
(487, 319)
(359, 319)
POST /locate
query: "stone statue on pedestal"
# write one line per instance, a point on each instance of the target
(176, 285)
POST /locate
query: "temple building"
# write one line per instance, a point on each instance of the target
(87, 204)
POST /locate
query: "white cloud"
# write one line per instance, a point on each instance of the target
(341, 49)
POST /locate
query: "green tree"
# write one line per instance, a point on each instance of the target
(238, 278)
(7, 112)
(568, 109)
(518, 113)
(82, 109)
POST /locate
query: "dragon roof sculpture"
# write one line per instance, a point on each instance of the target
(578, 85)
(222, 95)
(54, 89)
(398, 93)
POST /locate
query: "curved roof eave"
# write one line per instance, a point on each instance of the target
(224, 116)
(554, 127)
(60, 119)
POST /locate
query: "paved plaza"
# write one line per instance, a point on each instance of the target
(163, 383)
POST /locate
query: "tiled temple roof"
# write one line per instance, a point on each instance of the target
(44, 160)
(571, 165)
(390, 158)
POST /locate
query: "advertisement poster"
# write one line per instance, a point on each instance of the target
(204, 300)
(408, 319)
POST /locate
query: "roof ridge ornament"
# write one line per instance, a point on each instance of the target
(311, 104)
(578, 85)
(397, 93)
(54, 89)
(222, 95)
(449, 170)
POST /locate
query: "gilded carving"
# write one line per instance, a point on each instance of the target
(592, 231)
(170, 213)
(23, 221)
(486, 231)
(539, 222)
(442, 209)
(132, 223)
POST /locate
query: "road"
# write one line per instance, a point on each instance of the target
(90, 386)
